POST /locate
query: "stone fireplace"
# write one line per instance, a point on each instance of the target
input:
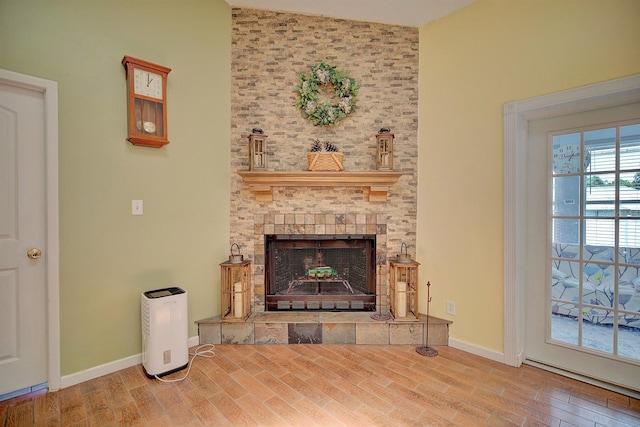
(270, 51)
(339, 325)
(288, 245)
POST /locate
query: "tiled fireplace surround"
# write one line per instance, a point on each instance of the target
(321, 224)
(318, 326)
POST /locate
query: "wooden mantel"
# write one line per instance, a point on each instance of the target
(375, 183)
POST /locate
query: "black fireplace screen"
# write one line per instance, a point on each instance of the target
(320, 272)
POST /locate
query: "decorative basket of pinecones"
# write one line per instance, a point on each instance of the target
(324, 156)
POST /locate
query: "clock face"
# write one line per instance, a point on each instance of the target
(149, 127)
(147, 83)
(567, 159)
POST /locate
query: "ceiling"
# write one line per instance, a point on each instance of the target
(412, 13)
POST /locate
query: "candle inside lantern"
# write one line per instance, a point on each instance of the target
(401, 299)
(257, 161)
(237, 307)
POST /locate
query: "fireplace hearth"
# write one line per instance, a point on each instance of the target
(320, 272)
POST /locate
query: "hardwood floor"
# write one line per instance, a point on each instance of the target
(329, 385)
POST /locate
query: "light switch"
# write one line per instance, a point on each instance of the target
(136, 207)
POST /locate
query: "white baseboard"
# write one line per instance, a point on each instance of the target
(593, 381)
(478, 351)
(109, 368)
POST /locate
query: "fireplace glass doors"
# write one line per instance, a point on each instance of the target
(320, 272)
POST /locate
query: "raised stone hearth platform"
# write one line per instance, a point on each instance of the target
(322, 328)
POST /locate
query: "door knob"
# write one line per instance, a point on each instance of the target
(34, 253)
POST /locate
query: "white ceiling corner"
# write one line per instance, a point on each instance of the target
(410, 13)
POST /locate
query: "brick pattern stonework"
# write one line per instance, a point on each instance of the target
(269, 52)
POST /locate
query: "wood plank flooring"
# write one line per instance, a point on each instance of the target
(329, 385)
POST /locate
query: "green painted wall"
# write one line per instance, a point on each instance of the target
(109, 257)
(471, 63)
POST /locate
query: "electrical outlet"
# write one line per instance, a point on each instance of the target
(451, 307)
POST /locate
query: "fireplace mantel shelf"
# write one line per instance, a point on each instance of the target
(375, 183)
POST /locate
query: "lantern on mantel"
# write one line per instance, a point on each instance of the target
(384, 149)
(403, 288)
(235, 282)
(257, 150)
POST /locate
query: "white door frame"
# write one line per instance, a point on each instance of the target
(517, 116)
(52, 276)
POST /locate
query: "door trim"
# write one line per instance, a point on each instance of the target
(49, 90)
(517, 115)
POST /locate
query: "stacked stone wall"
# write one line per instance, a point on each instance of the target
(270, 51)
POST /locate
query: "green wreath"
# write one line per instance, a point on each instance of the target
(326, 112)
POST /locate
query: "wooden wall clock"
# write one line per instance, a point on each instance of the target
(146, 102)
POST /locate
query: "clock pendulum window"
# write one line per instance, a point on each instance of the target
(146, 102)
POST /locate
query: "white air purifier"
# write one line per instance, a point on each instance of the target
(165, 340)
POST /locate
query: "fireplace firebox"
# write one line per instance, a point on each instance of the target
(320, 272)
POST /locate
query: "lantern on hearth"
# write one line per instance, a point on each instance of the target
(403, 288)
(235, 293)
(257, 150)
(384, 149)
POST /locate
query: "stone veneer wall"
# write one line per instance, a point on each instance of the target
(269, 52)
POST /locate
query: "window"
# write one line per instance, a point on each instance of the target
(595, 229)
(606, 176)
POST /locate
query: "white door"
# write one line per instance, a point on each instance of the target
(23, 258)
(582, 295)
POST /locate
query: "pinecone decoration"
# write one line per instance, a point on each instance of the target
(316, 146)
(323, 146)
(330, 147)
